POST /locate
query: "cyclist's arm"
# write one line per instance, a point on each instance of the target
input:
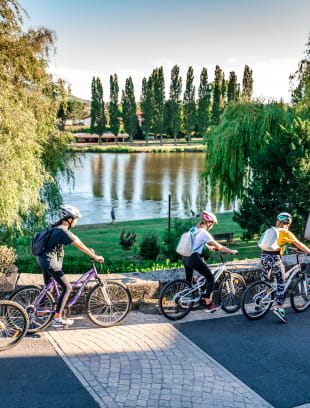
(301, 246)
(222, 248)
(79, 244)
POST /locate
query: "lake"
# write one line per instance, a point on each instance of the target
(138, 186)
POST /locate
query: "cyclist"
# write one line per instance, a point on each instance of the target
(271, 260)
(51, 260)
(202, 239)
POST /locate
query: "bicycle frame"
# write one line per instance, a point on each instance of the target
(290, 274)
(83, 280)
(217, 273)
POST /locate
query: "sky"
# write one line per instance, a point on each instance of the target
(131, 38)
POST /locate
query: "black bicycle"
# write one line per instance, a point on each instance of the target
(14, 324)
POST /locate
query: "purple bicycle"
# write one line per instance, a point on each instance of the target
(107, 303)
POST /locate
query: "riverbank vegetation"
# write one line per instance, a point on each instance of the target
(105, 239)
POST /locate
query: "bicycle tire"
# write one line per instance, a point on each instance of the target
(168, 305)
(300, 300)
(14, 323)
(26, 297)
(251, 304)
(229, 301)
(100, 312)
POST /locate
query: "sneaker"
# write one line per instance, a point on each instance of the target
(62, 322)
(210, 308)
(280, 313)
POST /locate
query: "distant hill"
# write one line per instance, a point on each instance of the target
(85, 101)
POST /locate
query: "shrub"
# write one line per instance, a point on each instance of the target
(7, 257)
(149, 247)
(172, 237)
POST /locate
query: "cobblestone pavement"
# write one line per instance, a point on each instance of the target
(147, 362)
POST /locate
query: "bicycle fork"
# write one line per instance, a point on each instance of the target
(103, 289)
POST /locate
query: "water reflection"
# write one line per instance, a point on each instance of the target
(138, 186)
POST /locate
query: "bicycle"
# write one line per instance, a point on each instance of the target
(14, 324)
(107, 303)
(260, 295)
(178, 297)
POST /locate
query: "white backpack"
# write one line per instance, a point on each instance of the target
(269, 240)
(307, 230)
(185, 244)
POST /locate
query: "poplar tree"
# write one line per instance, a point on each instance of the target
(247, 84)
(158, 101)
(129, 109)
(98, 118)
(217, 105)
(173, 109)
(146, 107)
(114, 112)
(232, 91)
(204, 102)
(189, 106)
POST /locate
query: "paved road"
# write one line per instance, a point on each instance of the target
(145, 362)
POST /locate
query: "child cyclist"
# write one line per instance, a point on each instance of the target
(271, 260)
(202, 238)
(51, 260)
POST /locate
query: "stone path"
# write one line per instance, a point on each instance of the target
(147, 362)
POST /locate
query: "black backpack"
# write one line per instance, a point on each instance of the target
(40, 241)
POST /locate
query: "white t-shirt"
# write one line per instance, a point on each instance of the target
(200, 238)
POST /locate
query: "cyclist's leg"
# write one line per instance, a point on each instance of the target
(279, 272)
(197, 263)
(66, 287)
(188, 270)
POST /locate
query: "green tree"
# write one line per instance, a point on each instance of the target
(217, 105)
(158, 102)
(204, 103)
(247, 84)
(146, 107)
(260, 154)
(174, 108)
(32, 150)
(129, 108)
(189, 105)
(300, 81)
(232, 89)
(97, 113)
(114, 112)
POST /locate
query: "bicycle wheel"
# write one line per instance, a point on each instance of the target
(230, 293)
(108, 304)
(174, 301)
(257, 300)
(41, 315)
(13, 324)
(300, 296)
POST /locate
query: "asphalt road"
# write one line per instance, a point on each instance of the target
(32, 375)
(270, 357)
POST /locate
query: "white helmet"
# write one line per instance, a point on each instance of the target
(209, 217)
(67, 211)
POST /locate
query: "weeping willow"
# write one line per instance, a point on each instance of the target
(244, 129)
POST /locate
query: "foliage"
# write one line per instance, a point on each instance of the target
(204, 103)
(129, 108)
(149, 246)
(7, 257)
(218, 102)
(127, 240)
(247, 84)
(146, 106)
(158, 101)
(98, 118)
(114, 112)
(174, 119)
(189, 107)
(30, 141)
(233, 89)
(260, 154)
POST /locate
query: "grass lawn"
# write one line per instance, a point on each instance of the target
(104, 239)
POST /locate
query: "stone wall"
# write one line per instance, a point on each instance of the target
(146, 286)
